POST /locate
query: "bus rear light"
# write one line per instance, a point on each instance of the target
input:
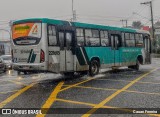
(42, 56)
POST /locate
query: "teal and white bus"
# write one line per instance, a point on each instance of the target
(58, 46)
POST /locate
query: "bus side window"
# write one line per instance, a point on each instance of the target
(139, 40)
(123, 40)
(68, 40)
(104, 38)
(147, 43)
(92, 37)
(61, 40)
(88, 35)
(52, 39)
(80, 37)
(95, 40)
(130, 40)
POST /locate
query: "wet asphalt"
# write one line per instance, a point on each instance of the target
(79, 94)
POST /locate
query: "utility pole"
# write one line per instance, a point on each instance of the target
(124, 21)
(73, 12)
(152, 21)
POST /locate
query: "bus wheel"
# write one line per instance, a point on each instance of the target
(68, 74)
(136, 67)
(25, 73)
(18, 72)
(93, 68)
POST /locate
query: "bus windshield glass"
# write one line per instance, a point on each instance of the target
(26, 33)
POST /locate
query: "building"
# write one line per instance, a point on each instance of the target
(5, 47)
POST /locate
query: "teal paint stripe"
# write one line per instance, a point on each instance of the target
(80, 56)
(33, 58)
(43, 20)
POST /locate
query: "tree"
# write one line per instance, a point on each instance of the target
(137, 24)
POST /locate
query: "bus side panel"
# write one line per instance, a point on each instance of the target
(105, 54)
(80, 59)
(54, 59)
(129, 55)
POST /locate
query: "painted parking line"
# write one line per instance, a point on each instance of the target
(71, 86)
(139, 92)
(101, 104)
(142, 82)
(114, 80)
(12, 97)
(92, 105)
(85, 87)
(75, 102)
(51, 99)
(108, 89)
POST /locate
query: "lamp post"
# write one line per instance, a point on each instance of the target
(150, 3)
(73, 12)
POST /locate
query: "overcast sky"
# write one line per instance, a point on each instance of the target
(108, 12)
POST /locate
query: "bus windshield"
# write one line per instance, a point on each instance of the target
(26, 33)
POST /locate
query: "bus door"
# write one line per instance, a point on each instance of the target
(66, 48)
(115, 44)
(147, 46)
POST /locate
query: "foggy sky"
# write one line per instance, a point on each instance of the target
(108, 12)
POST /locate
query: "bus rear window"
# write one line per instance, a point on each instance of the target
(26, 33)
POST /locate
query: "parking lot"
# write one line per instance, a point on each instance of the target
(107, 94)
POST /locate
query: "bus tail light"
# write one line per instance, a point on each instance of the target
(42, 56)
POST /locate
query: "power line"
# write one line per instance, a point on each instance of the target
(104, 17)
(139, 11)
(98, 19)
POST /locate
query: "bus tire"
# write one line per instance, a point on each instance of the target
(136, 67)
(67, 74)
(93, 68)
(18, 72)
(25, 73)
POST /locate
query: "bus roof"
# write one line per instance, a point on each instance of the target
(103, 27)
(43, 20)
(80, 25)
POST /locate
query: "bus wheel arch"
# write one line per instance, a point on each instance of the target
(94, 66)
(140, 59)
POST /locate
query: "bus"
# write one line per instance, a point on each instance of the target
(42, 44)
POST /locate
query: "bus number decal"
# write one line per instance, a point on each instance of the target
(54, 53)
